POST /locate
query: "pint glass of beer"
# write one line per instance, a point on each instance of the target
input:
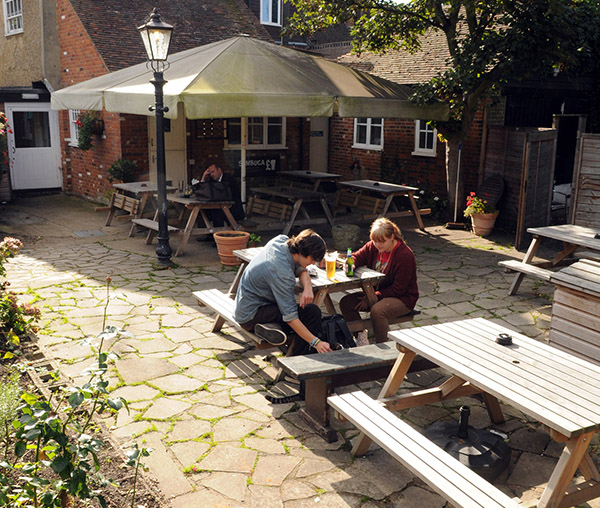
(330, 259)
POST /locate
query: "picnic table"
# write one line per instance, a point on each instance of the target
(188, 227)
(132, 197)
(549, 385)
(284, 204)
(314, 178)
(364, 278)
(377, 198)
(573, 237)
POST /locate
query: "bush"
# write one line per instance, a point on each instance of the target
(122, 170)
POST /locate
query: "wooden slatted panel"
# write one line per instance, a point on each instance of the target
(347, 199)
(575, 325)
(446, 475)
(518, 266)
(586, 183)
(556, 388)
(125, 203)
(270, 208)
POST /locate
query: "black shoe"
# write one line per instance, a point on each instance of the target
(271, 332)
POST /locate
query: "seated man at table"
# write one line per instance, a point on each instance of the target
(265, 303)
(397, 293)
(215, 173)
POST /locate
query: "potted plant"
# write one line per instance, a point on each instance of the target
(254, 240)
(88, 124)
(122, 170)
(483, 214)
(227, 242)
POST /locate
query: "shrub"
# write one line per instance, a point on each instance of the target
(122, 170)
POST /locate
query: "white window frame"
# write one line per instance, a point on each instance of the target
(267, 5)
(369, 124)
(73, 127)
(13, 16)
(265, 131)
(421, 149)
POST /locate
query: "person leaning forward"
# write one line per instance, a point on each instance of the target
(215, 173)
(265, 303)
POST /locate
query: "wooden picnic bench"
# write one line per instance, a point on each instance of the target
(446, 475)
(551, 386)
(224, 305)
(324, 372)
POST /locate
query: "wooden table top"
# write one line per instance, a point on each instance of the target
(174, 198)
(310, 175)
(383, 187)
(139, 187)
(289, 193)
(570, 233)
(340, 282)
(558, 389)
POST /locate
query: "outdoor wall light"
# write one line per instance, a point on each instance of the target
(157, 39)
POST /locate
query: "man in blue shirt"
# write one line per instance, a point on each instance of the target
(266, 293)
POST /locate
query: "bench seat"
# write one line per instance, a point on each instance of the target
(151, 226)
(324, 372)
(223, 305)
(443, 473)
(533, 270)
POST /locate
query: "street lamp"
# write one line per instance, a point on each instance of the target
(157, 38)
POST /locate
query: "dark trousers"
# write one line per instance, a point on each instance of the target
(310, 315)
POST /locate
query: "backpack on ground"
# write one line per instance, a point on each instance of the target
(335, 331)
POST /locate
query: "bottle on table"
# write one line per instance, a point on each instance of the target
(349, 265)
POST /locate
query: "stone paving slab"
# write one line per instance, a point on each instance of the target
(197, 398)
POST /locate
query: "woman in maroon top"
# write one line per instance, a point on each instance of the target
(397, 292)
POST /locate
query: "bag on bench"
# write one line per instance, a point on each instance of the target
(212, 191)
(335, 331)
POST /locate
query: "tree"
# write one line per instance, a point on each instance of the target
(488, 42)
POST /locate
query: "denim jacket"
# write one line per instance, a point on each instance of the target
(269, 278)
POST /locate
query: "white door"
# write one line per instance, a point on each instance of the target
(33, 146)
(175, 149)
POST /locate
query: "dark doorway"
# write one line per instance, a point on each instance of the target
(568, 127)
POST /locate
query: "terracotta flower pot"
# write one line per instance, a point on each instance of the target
(483, 223)
(227, 242)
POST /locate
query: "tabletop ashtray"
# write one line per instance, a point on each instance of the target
(504, 339)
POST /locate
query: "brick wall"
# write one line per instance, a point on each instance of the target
(85, 172)
(396, 163)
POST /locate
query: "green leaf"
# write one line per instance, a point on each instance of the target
(33, 434)
(75, 399)
(59, 463)
(116, 403)
(20, 448)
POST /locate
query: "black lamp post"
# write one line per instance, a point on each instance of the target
(157, 38)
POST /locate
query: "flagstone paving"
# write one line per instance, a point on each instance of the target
(196, 398)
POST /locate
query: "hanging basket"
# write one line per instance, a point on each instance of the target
(483, 223)
(227, 242)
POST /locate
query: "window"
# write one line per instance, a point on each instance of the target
(13, 16)
(263, 132)
(270, 12)
(368, 133)
(425, 139)
(74, 127)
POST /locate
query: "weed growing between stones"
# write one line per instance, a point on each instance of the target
(52, 444)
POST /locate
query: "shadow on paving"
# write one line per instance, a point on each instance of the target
(197, 397)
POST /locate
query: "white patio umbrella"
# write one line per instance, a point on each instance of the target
(244, 77)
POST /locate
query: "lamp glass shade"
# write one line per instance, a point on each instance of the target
(157, 37)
